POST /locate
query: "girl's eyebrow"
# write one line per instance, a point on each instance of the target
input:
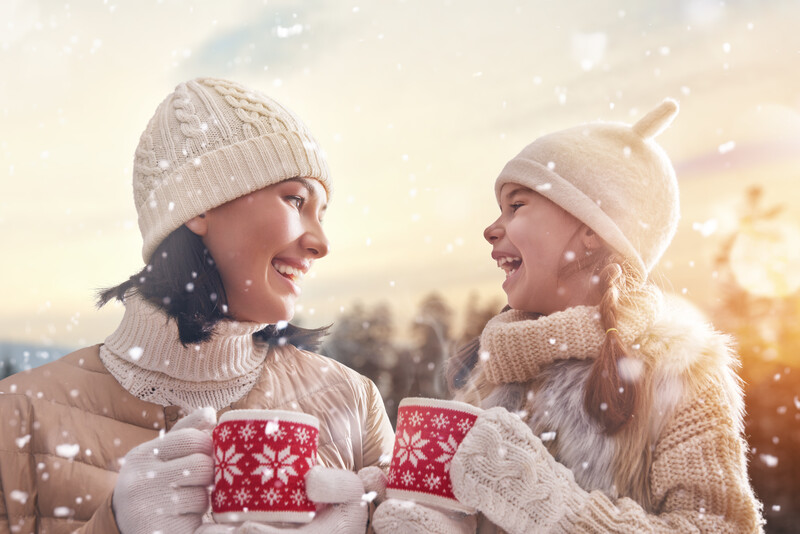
(514, 192)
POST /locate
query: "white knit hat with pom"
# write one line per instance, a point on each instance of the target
(209, 142)
(611, 176)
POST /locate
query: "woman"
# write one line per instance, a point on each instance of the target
(609, 406)
(230, 188)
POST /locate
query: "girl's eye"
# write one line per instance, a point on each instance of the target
(296, 201)
(514, 207)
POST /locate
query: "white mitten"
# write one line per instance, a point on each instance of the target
(395, 516)
(163, 484)
(502, 469)
(375, 481)
(342, 507)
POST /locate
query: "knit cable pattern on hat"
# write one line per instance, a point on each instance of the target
(210, 142)
(514, 345)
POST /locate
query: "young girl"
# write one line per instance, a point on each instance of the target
(610, 406)
(230, 189)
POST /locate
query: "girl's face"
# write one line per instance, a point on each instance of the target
(263, 244)
(534, 241)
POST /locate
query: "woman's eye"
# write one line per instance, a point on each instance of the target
(296, 201)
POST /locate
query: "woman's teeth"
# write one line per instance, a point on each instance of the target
(288, 271)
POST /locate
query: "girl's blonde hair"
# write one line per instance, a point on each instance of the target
(609, 399)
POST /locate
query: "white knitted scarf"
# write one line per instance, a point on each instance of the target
(515, 345)
(147, 358)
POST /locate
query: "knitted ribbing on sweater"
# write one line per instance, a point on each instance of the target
(515, 344)
(146, 357)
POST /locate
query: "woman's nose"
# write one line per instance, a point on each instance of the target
(493, 232)
(316, 242)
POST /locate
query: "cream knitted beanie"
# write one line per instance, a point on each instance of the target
(611, 176)
(212, 141)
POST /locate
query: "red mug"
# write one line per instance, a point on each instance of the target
(429, 432)
(261, 458)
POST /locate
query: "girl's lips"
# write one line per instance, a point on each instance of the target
(511, 276)
(510, 264)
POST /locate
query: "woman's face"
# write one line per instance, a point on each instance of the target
(263, 244)
(534, 241)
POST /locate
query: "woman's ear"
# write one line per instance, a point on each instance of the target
(198, 225)
(590, 239)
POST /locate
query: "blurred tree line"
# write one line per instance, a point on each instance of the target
(406, 365)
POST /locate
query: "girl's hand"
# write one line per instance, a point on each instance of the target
(395, 516)
(163, 484)
(502, 469)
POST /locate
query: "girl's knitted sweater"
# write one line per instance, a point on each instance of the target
(678, 466)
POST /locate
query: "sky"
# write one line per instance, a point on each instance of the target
(418, 105)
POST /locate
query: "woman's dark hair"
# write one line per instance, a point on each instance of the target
(608, 399)
(182, 279)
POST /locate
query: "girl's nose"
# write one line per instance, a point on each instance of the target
(493, 232)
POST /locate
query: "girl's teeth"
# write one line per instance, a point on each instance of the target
(507, 259)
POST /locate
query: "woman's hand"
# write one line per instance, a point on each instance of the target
(342, 498)
(163, 484)
(502, 469)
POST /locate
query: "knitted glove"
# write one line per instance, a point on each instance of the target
(502, 469)
(163, 483)
(405, 517)
(344, 506)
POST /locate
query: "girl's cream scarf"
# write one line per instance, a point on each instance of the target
(515, 345)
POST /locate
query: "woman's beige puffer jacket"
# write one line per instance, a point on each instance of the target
(65, 426)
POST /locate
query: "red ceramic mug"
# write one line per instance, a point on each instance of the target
(261, 458)
(429, 432)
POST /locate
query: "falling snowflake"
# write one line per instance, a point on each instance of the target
(247, 432)
(411, 448)
(224, 433)
(225, 464)
(272, 496)
(241, 496)
(440, 420)
(415, 419)
(274, 431)
(272, 463)
(768, 459)
(220, 498)
(432, 481)
(449, 447)
(464, 425)
(298, 497)
(408, 478)
(68, 450)
(303, 435)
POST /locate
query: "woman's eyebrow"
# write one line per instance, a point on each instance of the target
(312, 191)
